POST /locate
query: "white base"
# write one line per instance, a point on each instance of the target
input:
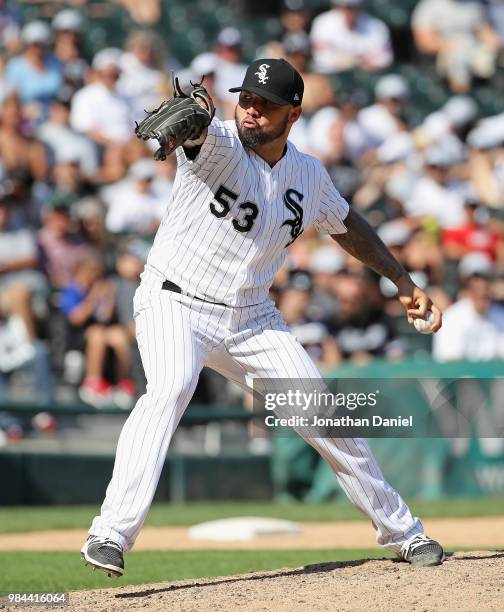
(243, 528)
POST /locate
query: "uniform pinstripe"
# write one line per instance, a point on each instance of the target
(229, 259)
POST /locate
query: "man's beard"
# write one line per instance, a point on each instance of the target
(257, 137)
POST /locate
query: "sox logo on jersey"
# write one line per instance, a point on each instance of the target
(295, 224)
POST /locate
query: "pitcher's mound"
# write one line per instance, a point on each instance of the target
(466, 581)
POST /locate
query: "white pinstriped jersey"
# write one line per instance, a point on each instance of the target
(231, 216)
(223, 237)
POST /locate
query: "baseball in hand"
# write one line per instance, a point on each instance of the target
(424, 326)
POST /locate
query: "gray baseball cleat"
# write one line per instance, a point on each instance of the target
(422, 551)
(104, 555)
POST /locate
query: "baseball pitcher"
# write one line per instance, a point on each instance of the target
(243, 193)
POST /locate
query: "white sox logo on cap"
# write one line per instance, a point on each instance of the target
(261, 74)
(274, 80)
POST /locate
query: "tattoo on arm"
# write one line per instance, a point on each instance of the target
(363, 243)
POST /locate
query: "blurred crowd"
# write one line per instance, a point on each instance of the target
(81, 197)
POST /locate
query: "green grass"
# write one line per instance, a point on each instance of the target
(33, 518)
(64, 571)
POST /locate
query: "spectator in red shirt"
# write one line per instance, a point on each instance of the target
(474, 236)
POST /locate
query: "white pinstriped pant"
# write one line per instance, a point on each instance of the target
(177, 336)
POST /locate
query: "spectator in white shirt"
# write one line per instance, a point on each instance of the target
(459, 35)
(473, 327)
(432, 195)
(326, 135)
(230, 69)
(141, 80)
(345, 38)
(98, 110)
(63, 142)
(449, 125)
(383, 119)
(133, 205)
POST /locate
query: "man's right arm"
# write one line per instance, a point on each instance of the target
(193, 147)
(217, 147)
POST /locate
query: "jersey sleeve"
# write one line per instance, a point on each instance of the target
(333, 208)
(219, 147)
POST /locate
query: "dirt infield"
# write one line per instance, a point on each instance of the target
(453, 533)
(465, 582)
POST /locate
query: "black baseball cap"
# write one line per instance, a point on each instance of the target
(275, 80)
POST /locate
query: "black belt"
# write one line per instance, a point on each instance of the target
(169, 286)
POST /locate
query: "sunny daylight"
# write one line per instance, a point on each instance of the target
(252, 305)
